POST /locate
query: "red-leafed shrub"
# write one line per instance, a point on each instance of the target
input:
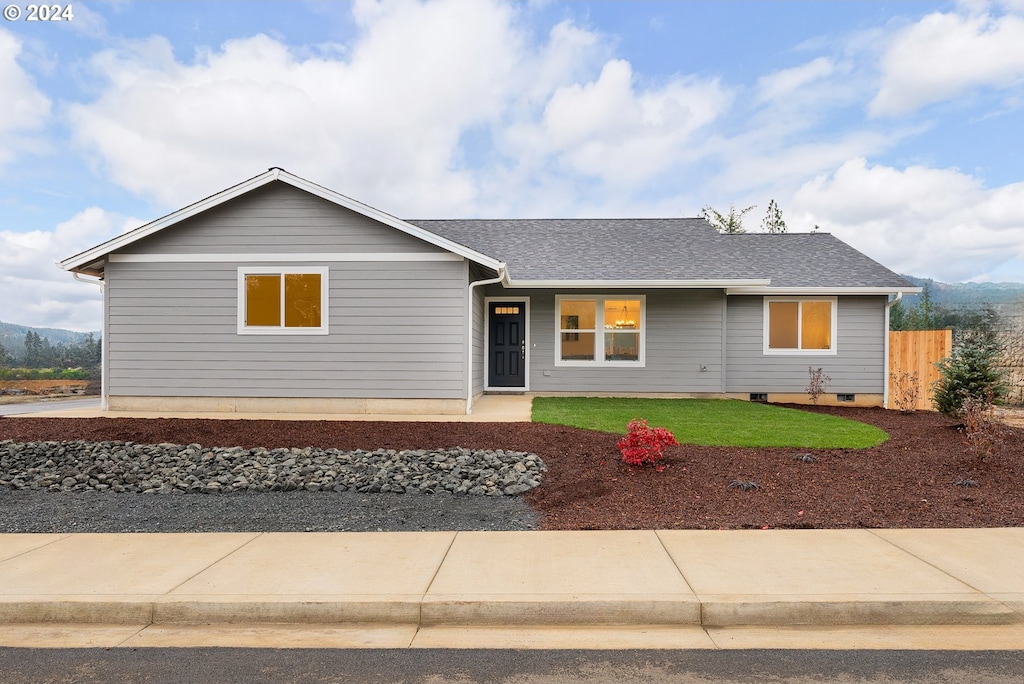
(643, 444)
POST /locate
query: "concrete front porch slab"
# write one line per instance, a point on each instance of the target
(565, 578)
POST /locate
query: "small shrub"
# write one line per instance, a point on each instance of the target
(907, 389)
(982, 432)
(643, 444)
(817, 384)
(970, 371)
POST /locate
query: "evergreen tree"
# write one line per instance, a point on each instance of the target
(972, 370)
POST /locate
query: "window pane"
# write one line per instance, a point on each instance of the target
(622, 314)
(782, 324)
(621, 346)
(817, 325)
(578, 314)
(263, 300)
(302, 300)
(578, 346)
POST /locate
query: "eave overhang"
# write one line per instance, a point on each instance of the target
(637, 284)
(768, 290)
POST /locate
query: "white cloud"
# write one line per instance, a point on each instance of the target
(782, 83)
(25, 109)
(612, 130)
(385, 121)
(939, 223)
(944, 55)
(35, 291)
(383, 125)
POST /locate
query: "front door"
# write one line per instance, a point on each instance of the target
(506, 353)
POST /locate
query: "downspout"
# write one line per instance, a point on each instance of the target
(469, 333)
(885, 382)
(103, 334)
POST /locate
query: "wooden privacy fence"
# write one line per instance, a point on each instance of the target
(915, 352)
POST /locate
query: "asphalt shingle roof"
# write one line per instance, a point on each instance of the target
(662, 249)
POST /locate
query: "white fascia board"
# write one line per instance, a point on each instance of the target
(638, 284)
(821, 290)
(284, 257)
(273, 174)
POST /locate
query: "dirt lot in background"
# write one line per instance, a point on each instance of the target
(44, 386)
(921, 477)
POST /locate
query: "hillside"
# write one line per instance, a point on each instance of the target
(1003, 296)
(12, 336)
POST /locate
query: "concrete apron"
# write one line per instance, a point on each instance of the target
(660, 589)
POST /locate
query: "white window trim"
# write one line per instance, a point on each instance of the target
(599, 359)
(487, 344)
(801, 352)
(244, 271)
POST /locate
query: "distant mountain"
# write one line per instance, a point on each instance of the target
(1003, 297)
(12, 336)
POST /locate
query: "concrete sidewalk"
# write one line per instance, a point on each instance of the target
(597, 589)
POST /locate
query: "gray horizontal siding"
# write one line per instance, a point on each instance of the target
(396, 331)
(859, 365)
(279, 218)
(684, 331)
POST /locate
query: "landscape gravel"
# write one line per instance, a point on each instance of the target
(114, 486)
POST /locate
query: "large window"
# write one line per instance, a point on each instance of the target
(599, 330)
(800, 326)
(274, 301)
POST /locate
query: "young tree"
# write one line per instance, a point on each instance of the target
(970, 373)
(773, 222)
(726, 223)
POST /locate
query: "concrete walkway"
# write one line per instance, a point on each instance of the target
(490, 408)
(600, 589)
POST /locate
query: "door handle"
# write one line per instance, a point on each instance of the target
(524, 350)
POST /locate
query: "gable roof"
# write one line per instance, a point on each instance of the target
(647, 253)
(595, 252)
(90, 261)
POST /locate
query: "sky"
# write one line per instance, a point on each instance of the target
(896, 126)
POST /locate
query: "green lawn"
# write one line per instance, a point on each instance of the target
(711, 422)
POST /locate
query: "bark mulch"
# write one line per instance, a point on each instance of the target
(922, 476)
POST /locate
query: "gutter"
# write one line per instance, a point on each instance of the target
(501, 277)
(888, 305)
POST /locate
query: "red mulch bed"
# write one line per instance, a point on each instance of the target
(910, 481)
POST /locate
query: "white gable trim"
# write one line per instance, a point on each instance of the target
(275, 174)
(282, 256)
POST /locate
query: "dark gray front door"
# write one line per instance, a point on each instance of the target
(506, 353)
